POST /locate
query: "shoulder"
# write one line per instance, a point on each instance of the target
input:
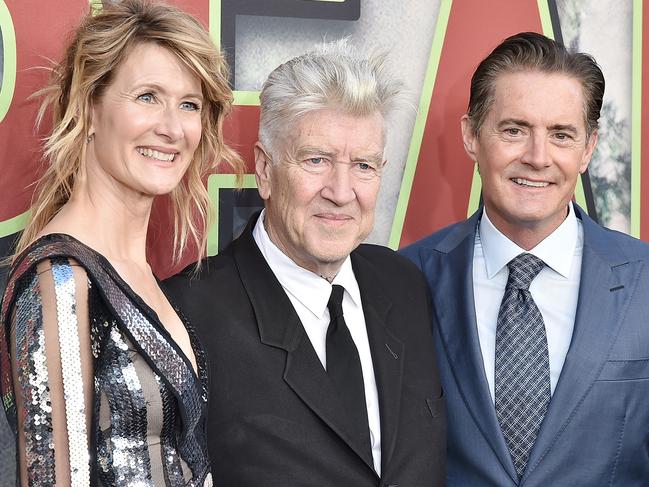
(607, 241)
(432, 242)
(55, 250)
(206, 284)
(50, 280)
(382, 256)
(633, 248)
(200, 273)
(37, 294)
(629, 247)
(388, 267)
(50, 259)
(219, 270)
(60, 269)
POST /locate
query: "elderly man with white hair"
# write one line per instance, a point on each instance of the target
(322, 369)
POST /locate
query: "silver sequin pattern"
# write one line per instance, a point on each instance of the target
(179, 378)
(32, 369)
(75, 411)
(171, 460)
(127, 451)
(117, 317)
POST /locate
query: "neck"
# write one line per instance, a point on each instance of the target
(328, 279)
(328, 273)
(324, 269)
(113, 226)
(524, 240)
(526, 235)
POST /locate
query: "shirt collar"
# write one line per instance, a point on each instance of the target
(553, 250)
(347, 279)
(307, 287)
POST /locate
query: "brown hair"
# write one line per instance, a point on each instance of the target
(532, 51)
(98, 47)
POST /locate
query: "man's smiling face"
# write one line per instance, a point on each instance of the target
(530, 151)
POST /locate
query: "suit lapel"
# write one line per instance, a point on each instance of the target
(449, 266)
(280, 327)
(306, 376)
(608, 280)
(387, 353)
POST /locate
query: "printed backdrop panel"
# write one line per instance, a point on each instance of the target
(434, 47)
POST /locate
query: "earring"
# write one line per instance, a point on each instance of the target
(89, 138)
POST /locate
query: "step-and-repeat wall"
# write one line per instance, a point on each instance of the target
(434, 47)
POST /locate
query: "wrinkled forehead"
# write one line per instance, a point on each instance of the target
(336, 131)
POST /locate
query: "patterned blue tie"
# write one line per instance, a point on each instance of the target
(522, 380)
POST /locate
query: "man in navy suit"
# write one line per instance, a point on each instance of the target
(541, 316)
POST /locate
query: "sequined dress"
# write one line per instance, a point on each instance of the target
(147, 406)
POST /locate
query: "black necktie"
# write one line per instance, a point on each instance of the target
(344, 369)
(522, 379)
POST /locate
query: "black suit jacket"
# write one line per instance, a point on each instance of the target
(274, 418)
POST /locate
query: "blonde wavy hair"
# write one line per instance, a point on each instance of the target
(98, 47)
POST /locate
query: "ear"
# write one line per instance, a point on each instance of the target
(468, 137)
(93, 118)
(263, 171)
(588, 153)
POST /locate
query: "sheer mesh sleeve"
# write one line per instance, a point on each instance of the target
(53, 374)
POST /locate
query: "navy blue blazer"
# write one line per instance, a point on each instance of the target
(596, 431)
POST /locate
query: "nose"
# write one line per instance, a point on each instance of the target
(339, 185)
(170, 124)
(536, 151)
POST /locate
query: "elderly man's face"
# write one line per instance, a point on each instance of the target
(320, 194)
(530, 152)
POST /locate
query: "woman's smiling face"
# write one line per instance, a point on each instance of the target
(147, 124)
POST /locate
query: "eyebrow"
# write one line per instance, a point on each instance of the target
(560, 127)
(376, 158)
(161, 89)
(373, 158)
(309, 150)
(513, 121)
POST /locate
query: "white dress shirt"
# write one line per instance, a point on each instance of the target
(555, 290)
(309, 294)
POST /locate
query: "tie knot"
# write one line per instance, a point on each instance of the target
(335, 303)
(523, 269)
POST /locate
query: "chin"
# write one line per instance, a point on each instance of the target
(161, 189)
(331, 255)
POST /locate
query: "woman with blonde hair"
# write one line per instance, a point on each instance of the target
(102, 380)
